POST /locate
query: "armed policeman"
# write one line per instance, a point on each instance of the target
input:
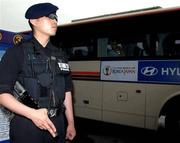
(42, 70)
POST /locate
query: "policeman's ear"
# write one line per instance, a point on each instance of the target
(33, 21)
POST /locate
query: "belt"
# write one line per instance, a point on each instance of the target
(53, 112)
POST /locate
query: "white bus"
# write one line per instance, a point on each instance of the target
(126, 67)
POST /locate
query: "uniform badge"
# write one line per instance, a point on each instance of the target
(63, 66)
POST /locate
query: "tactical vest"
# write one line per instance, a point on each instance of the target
(44, 76)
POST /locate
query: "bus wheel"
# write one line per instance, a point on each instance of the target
(172, 123)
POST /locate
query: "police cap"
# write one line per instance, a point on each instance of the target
(40, 10)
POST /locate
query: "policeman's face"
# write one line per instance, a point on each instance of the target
(44, 25)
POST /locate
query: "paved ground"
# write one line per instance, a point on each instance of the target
(105, 139)
(98, 132)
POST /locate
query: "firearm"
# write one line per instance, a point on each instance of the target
(22, 95)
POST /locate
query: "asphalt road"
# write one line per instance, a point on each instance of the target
(98, 132)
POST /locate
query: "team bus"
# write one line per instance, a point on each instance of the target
(126, 67)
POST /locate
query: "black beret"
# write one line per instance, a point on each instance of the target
(40, 10)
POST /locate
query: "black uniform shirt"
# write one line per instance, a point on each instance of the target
(12, 63)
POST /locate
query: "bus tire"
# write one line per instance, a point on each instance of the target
(172, 124)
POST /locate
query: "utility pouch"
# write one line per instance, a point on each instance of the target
(45, 79)
(45, 82)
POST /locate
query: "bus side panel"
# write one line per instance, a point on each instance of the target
(85, 66)
(88, 99)
(87, 89)
(124, 103)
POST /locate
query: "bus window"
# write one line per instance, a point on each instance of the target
(159, 44)
(172, 44)
(137, 50)
(122, 47)
(79, 49)
(114, 49)
(108, 47)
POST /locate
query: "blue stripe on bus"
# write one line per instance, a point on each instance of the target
(159, 71)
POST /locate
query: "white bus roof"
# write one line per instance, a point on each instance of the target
(136, 13)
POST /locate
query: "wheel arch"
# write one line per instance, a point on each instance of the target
(172, 104)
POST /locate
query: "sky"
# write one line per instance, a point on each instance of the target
(87, 8)
(12, 11)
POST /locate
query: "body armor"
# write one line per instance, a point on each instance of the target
(44, 76)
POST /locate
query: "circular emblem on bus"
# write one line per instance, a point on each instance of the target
(149, 71)
(107, 70)
(0, 36)
(17, 39)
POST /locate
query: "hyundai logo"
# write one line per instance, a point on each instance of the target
(149, 71)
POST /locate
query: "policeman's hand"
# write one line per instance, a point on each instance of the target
(70, 132)
(41, 120)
